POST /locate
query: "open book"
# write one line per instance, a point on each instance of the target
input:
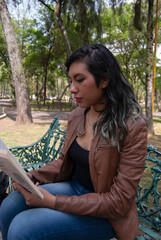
(13, 169)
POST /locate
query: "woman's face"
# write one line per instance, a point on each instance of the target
(84, 88)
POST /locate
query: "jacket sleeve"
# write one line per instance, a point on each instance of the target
(49, 173)
(119, 200)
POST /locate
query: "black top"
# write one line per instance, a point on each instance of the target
(80, 156)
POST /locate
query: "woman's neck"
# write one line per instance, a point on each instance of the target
(92, 116)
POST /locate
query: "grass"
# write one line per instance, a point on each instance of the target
(22, 135)
(156, 120)
(157, 126)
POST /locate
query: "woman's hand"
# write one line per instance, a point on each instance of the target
(31, 177)
(32, 200)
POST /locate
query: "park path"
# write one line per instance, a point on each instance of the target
(40, 116)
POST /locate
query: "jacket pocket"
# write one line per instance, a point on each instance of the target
(104, 147)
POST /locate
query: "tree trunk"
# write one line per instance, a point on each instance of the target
(137, 18)
(149, 75)
(155, 52)
(64, 33)
(57, 13)
(83, 17)
(22, 99)
(157, 100)
(46, 71)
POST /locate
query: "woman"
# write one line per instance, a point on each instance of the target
(89, 192)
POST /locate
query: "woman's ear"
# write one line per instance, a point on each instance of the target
(104, 81)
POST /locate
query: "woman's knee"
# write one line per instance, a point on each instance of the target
(15, 231)
(11, 205)
(26, 225)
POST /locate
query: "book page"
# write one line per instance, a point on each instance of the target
(10, 165)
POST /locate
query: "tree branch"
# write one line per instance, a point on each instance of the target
(46, 5)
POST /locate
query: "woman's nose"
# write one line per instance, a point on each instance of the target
(73, 88)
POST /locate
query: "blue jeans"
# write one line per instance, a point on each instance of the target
(18, 221)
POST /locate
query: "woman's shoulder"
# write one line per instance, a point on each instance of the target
(135, 122)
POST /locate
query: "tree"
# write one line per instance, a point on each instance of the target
(149, 55)
(155, 52)
(84, 17)
(149, 74)
(22, 100)
(143, 22)
(79, 21)
(43, 43)
(57, 12)
(4, 61)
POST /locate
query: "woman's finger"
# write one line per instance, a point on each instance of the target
(21, 190)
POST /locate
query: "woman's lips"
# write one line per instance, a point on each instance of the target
(78, 100)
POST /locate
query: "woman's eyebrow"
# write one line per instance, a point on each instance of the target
(76, 75)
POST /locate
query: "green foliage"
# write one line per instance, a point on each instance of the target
(82, 20)
(43, 48)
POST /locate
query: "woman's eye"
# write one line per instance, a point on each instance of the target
(80, 80)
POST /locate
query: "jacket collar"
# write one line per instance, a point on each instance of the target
(81, 123)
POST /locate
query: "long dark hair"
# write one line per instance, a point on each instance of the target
(121, 101)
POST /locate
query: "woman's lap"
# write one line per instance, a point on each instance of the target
(43, 223)
(22, 222)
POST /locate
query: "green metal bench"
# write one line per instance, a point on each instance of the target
(44, 150)
(39, 153)
(148, 199)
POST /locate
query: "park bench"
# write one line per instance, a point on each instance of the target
(148, 197)
(2, 113)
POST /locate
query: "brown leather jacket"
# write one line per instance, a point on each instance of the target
(115, 175)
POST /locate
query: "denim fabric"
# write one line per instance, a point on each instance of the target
(18, 221)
